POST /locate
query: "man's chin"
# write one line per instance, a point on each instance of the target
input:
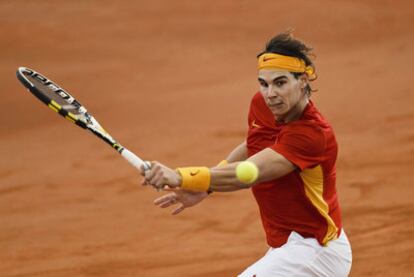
(278, 113)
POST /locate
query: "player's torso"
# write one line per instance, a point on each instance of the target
(287, 203)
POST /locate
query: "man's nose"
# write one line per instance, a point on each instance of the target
(271, 91)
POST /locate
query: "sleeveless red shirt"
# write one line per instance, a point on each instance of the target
(304, 200)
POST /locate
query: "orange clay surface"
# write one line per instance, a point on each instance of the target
(172, 80)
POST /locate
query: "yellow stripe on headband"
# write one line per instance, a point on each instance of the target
(292, 64)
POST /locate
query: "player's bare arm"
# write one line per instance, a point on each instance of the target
(271, 166)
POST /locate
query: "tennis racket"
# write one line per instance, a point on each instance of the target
(67, 106)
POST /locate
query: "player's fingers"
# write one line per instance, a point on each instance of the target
(149, 174)
(143, 169)
(164, 198)
(146, 166)
(153, 176)
(178, 210)
(158, 181)
(163, 180)
(168, 203)
(143, 182)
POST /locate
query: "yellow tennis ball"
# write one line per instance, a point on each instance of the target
(247, 172)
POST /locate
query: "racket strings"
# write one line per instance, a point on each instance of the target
(61, 98)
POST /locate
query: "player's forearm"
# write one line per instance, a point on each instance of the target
(268, 165)
(224, 179)
(219, 178)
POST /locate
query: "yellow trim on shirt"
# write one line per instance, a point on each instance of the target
(313, 180)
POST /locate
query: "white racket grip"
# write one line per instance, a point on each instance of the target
(133, 159)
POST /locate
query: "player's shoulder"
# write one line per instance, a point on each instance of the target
(305, 128)
(258, 105)
(313, 118)
(257, 96)
(257, 99)
(311, 123)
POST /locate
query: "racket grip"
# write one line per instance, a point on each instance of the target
(134, 160)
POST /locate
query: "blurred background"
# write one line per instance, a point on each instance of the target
(172, 81)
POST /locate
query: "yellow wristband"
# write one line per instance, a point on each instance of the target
(195, 178)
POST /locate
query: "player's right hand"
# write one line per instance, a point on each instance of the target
(160, 176)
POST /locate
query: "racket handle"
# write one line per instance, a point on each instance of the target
(134, 160)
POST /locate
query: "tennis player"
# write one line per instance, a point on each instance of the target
(295, 149)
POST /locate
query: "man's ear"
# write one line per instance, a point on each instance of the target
(304, 79)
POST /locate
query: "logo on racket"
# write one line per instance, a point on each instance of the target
(55, 88)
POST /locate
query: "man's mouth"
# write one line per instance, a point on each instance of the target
(276, 104)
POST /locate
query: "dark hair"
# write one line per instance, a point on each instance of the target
(285, 44)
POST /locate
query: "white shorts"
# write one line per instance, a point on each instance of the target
(301, 256)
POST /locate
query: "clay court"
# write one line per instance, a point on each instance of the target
(172, 81)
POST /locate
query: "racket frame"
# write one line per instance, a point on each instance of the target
(90, 123)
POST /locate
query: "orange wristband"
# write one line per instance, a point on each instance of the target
(195, 178)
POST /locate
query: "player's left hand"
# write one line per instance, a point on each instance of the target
(160, 176)
(184, 198)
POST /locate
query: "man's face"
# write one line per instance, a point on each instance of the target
(281, 90)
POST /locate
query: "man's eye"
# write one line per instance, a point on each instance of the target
(263, 84)
(280, 83)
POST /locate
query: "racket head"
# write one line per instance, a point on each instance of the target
(52, 95)
(62, 102)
